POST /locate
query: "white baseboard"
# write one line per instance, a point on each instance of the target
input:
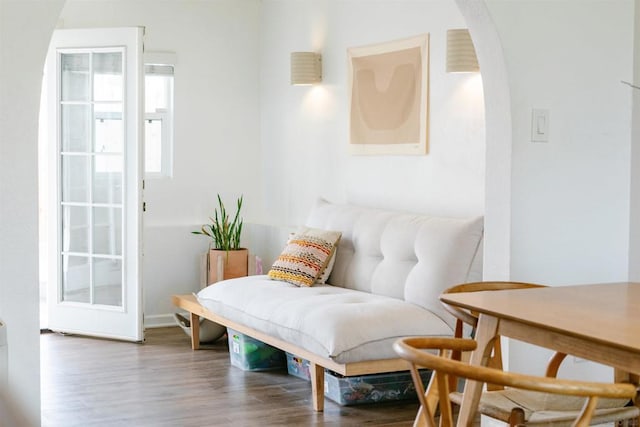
(159, 321)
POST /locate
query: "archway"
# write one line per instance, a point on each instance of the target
(497, 243)
(25, 31)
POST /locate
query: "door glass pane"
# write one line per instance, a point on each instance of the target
(107, 76)
(75, 278)
(109, 130)
(75, 178)
(107, 276)
(107, 179)
(74, 76)
(107, 231)
(75, 229)
(75, 128)
(157, 91)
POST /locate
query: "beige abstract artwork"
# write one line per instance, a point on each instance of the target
(389, 97)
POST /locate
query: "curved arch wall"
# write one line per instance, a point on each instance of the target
(25, 31)
(567, 210)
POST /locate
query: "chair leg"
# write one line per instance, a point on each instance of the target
(584, 419)
(517, 417)
(495, 361)
(446, 413)
(433, 398)
(632, 422)
(456, 354)
(554, 364)
(428, 401)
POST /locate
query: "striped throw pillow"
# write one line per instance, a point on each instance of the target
(306, 255)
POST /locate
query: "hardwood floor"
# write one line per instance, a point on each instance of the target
(94, 382)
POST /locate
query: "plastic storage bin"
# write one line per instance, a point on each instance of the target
(371, 388)
(250, 354)
(298, 367)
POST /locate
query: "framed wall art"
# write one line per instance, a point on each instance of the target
(389, 97)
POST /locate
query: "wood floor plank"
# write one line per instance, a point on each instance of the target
(162, 382)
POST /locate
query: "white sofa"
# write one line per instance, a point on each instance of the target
(389, 270)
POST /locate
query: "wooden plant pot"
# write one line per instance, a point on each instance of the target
(235, 265)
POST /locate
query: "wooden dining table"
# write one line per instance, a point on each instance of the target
(598, 322)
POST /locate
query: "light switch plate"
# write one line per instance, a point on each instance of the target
(539, 125)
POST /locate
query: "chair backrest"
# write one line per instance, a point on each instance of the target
(413, 350)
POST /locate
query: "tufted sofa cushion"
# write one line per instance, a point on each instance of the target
(404, 256)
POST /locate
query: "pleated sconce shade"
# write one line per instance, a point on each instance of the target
(461, 55)
(306, 68)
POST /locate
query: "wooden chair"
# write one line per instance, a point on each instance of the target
(576, 403)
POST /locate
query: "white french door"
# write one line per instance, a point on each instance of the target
(95, 82)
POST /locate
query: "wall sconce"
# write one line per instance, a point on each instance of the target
(461, 55)
(306, 68)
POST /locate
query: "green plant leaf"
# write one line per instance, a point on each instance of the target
(225, 234)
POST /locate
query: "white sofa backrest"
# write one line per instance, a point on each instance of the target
(405, 256)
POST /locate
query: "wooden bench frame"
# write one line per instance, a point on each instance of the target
(317, 364)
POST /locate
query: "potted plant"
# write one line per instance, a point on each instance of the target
(226, 258)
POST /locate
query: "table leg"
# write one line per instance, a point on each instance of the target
(485, 334)
(625, 377)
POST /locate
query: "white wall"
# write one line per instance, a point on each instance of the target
(570, 196)
(216, 146)
(242, 129)
(25, 30)
(634, 234)
(221, 104)
(305, 129)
